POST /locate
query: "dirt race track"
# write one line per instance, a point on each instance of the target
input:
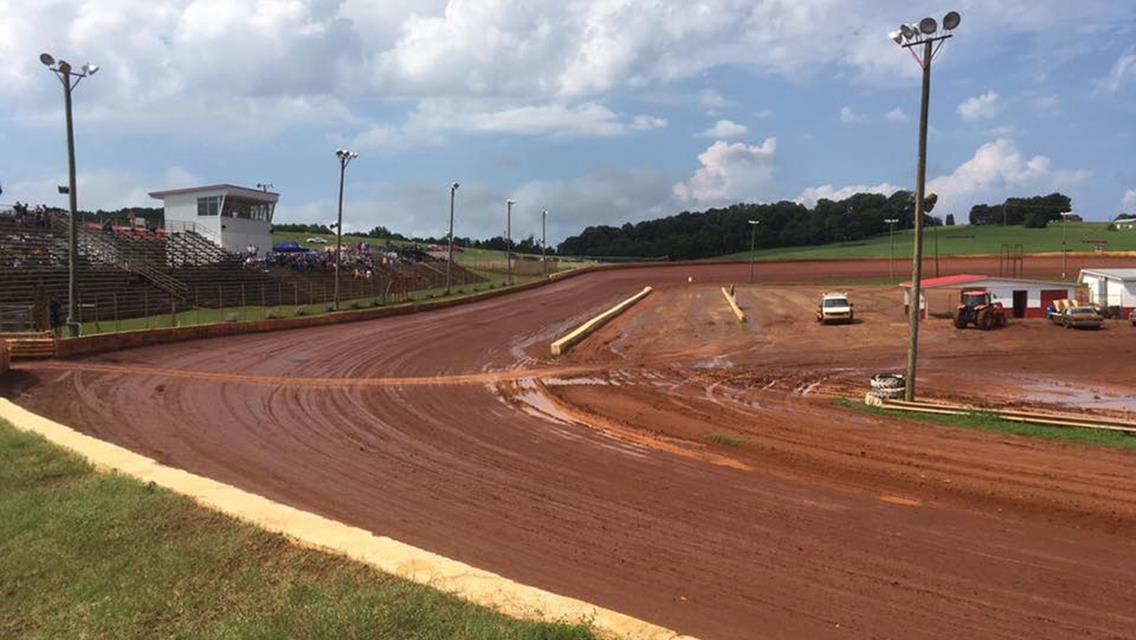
(600, 476)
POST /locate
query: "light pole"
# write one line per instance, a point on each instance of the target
(1064, 244)
(910, 36)
(544, 241)
(345, 158)
(891, 222)
(752, 244)
(70, 79)
(509, 238)
(450, 249)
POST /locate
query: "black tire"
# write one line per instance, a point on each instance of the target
(888, 381)
(985, 321)
(960, 321)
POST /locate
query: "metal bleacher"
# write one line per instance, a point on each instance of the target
(132, 272)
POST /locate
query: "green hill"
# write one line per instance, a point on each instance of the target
(966, 240)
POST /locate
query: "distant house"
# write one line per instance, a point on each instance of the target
(231, 216)
(1125, 224)
(1022, 298)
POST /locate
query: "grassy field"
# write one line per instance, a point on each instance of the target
(92, 555)
(993, 424)
(960, 241)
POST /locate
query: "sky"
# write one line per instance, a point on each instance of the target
(600, 111)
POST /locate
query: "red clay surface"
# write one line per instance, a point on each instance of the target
(594, 476)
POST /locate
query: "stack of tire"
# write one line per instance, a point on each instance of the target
(888, 386)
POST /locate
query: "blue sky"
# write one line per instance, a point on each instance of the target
(601, 111)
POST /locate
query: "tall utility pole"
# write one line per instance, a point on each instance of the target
(70, 79)
(1064, 244)
(450, 248)
(345, 158)
(544, 241)
(752, 244)
(891, 222)
(910, 36)
(509, 238)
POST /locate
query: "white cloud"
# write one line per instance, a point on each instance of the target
(762, 114)
(711, 99)
(729, 172)
(645, 123)
(985, 106)
(1124, 67)
(848, 114)
(811, 195)
(102, 188)
(725, 129)
(1128, 202)
(1069, 177)
(413, 208)
(897, 115)
(997, 170)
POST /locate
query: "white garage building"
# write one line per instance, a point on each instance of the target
(1111, 287)
(231, 216)
(1022, 298)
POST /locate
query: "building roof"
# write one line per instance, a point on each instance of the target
(1125, 275)
(972, 279)
(946, 281)
(267, 195)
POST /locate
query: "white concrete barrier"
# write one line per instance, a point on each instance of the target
(565, 343)
(733, 302)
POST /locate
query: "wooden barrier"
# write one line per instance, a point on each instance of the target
(588, 328)
(733, 302)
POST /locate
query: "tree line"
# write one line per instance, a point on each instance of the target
(1035, 212)
(714, 232)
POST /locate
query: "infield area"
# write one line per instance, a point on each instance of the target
(676, 466)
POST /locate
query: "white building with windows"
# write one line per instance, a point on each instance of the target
(231, 216)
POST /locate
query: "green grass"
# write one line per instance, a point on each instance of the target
(953, 241)
(723, 439)
(92, 555)
(992, 423)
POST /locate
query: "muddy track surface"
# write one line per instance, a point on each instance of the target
(605, 476)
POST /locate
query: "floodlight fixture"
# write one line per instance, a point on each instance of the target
(46, 59)
(906, 31)
(454, 186)
(90, 69)
(896, 36)
(510, 202)
(928, 26)
(951, 21)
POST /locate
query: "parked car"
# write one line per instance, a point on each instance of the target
(1081, 318)
(834, 307)
(316, 241)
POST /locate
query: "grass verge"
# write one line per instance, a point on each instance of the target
(721, 438)
(85, 554)
(994, 424)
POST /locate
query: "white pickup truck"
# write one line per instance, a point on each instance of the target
(835, 307)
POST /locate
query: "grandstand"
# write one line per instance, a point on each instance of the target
(132, 271)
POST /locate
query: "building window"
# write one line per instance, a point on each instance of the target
(209, 206)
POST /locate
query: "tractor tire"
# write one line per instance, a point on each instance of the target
(985, 321)
(960, 321)
(882, 381)
(1000, 321)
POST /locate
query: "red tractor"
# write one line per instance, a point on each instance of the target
(978, 309)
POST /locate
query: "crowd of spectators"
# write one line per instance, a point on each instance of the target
(360, 260)
(39, 217)
(22, 242)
